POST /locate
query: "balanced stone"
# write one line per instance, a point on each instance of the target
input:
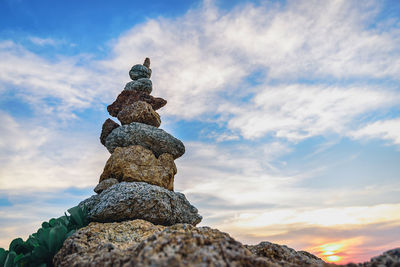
(107, 128)
(150, 137)
(139, 71)
(138, 200)
(139, 112)
(142, 84)
(138, 164)
(128, 97)
(104, 184)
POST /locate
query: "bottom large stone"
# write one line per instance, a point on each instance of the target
(140, 243)
(138, 200)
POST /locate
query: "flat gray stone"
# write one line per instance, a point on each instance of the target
(150, 137)
(139, 71)
(142, 84)
(139, 200)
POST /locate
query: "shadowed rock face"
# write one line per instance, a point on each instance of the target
(107, 128)
(104, 184)
(157, 140)
(137, 200)
(128, 97)
(137, 164)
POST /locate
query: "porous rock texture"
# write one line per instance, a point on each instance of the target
(139, 111)
(139, 71)
(104, 244)
(138, 164)
(104, 184)
(285, 256)
(128, 97)
(142, 84)
(139, 243)
(390, 258)
(107, 128)
(150, 137)
(138, 200)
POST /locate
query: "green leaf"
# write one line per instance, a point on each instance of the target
(3, 256)
(15, 244)
(45, 225)
(40, 253)
(53, 222)
(56, 238)
(10, 259)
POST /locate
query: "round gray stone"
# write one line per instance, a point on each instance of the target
(139, 200)
(142, 84)
(139, 71)
(150, 137)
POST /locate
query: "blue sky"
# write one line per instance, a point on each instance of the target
(289, 111)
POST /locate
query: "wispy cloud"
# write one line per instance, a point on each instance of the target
(386, 129)
(44, 41)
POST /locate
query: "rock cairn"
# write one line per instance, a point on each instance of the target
(138, 178)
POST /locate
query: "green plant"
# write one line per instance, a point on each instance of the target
(40, 248)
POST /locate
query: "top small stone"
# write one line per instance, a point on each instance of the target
(146, 63)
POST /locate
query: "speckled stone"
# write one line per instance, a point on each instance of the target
(150, 137)
(138, 200)
(139, 111)
(139, 71)
(138, 164)
(126, 98)
(142, 84)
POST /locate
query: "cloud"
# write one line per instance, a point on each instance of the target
(297, 111)
(60, 86)
(303, 65)
(43, 41)
(386, 129)
(33, 158)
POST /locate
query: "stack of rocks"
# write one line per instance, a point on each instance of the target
(138, 178)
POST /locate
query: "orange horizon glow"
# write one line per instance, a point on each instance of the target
(338, 251)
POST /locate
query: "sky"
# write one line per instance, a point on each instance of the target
(289, 111)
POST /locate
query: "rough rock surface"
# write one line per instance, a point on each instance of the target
(104, 244)
(186, 245)
(128, 97)
(104, 184)
(139, 112)
(138, 164)
(142, 84)
(285, 256)
(390, 258)
(150, 137)
(139, 71)
(137, 200)
(107, 128)
(139, 243)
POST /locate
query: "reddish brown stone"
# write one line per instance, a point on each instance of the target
(107, 128)
(126, 98)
